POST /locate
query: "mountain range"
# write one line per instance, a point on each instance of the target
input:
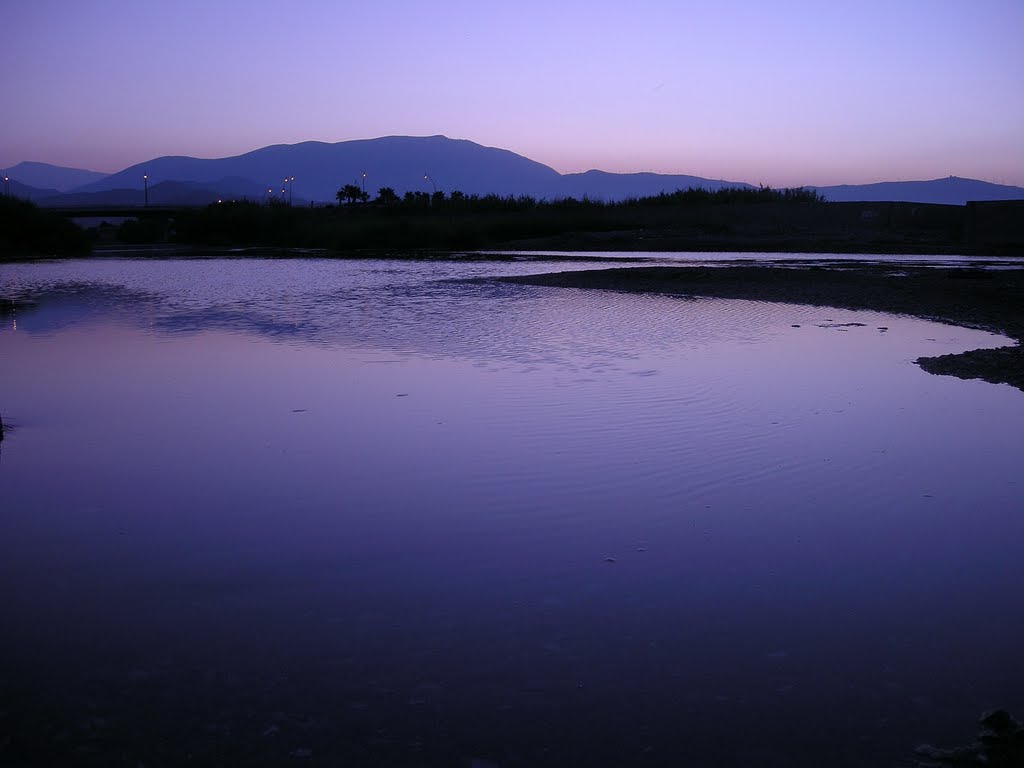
(51, 178)
(407, 163)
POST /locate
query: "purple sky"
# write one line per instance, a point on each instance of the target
(781, 93)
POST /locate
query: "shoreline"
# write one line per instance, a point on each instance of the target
(991, 300)
(572, 246)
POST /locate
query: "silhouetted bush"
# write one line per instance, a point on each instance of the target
(1000, 744)
(27, 230)
(731, 196)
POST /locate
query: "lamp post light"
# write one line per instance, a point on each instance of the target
(291, 186)
(7, 185)
(145, 192)
(426, 177)
(364, 182)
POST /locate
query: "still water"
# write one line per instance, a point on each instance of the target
(367, 513)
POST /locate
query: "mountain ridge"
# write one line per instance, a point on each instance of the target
(405, 163)
(949, 190)
(426, 163)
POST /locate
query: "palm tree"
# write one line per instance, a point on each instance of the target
(350, 193)
(387, 196)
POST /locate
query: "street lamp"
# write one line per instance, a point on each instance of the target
(288, 181)
(7, 185)
(145, 187)
(426, 177)
(364, 182)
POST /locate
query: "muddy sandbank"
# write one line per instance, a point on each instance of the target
(992, 299)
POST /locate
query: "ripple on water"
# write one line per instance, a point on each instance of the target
(460, 486)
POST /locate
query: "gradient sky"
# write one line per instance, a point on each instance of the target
(782, 93)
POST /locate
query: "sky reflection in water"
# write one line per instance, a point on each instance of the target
(442, 520)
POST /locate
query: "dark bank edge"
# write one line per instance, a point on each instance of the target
(986, 299)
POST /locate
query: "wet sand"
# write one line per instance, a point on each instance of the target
(992, 299)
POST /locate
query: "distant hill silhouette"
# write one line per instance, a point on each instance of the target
(401, 162)
(162, 193)
(25, 192)
(44, 176)
(951, 190)
(320, 169)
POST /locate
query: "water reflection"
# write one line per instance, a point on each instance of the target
(259, 510)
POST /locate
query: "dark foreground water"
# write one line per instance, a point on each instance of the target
(353, 513)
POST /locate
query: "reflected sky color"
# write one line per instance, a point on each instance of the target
(783, 93)
(381, 510)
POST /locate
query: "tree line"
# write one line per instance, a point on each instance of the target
(457, 220)
(353, 195)
(414, 220)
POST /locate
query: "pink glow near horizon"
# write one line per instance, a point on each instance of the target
(784, 93)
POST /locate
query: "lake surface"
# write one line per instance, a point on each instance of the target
(365, 513)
